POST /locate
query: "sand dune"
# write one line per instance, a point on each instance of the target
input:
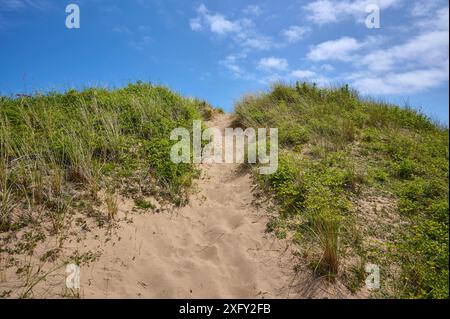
(214, 247)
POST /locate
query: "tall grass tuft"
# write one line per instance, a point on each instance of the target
(327, 232)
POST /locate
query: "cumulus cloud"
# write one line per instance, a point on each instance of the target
(438, 20)
(303, 74)
(216, 23)
(423, 8)
(231, 63)
(340, 49)
(416, 64)
(195, 24)
(428, 49)
(415, 60)
(255, 41)
(273, 63)
(295, 33)
(241, 31)
(402, 82)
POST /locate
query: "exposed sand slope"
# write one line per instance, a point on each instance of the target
(215, 247)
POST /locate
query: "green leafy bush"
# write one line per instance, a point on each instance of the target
(89, 140)
(347, 144)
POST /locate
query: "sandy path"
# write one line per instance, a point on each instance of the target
(215, 247)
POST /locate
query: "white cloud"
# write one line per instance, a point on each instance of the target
(400, 83)
(429, 49)
(255, 41)
(231, 63)
(341, 49)
(272, 63)
(309, 76)
(241, 31)
(195, 24)
(438, 20)
(371, 64)
(418, 63)
(303, 74)
(422, 8)
(295, 33)
(252, 10)
(217, 23)
(326, 11)
(220, 25)
(321, 12)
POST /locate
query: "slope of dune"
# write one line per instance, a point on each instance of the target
(86, 179)
(214, 247)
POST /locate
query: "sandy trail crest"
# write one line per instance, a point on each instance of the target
(215, 247)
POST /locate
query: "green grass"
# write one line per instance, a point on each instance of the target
(56, 148)
(68, 161)
(339, 151)
(341, 156)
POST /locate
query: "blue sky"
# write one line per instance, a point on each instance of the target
(220, 50)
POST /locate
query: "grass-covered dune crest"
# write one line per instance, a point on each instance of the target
(57, 151)
(359, 182)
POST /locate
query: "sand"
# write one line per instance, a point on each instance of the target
(214, 247)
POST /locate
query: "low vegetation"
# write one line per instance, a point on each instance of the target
(68, 154)
(54, 146)
(359, 182)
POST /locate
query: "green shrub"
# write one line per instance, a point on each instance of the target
(92, 139)
(345, 139)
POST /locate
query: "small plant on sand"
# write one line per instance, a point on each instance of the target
(111, 206)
